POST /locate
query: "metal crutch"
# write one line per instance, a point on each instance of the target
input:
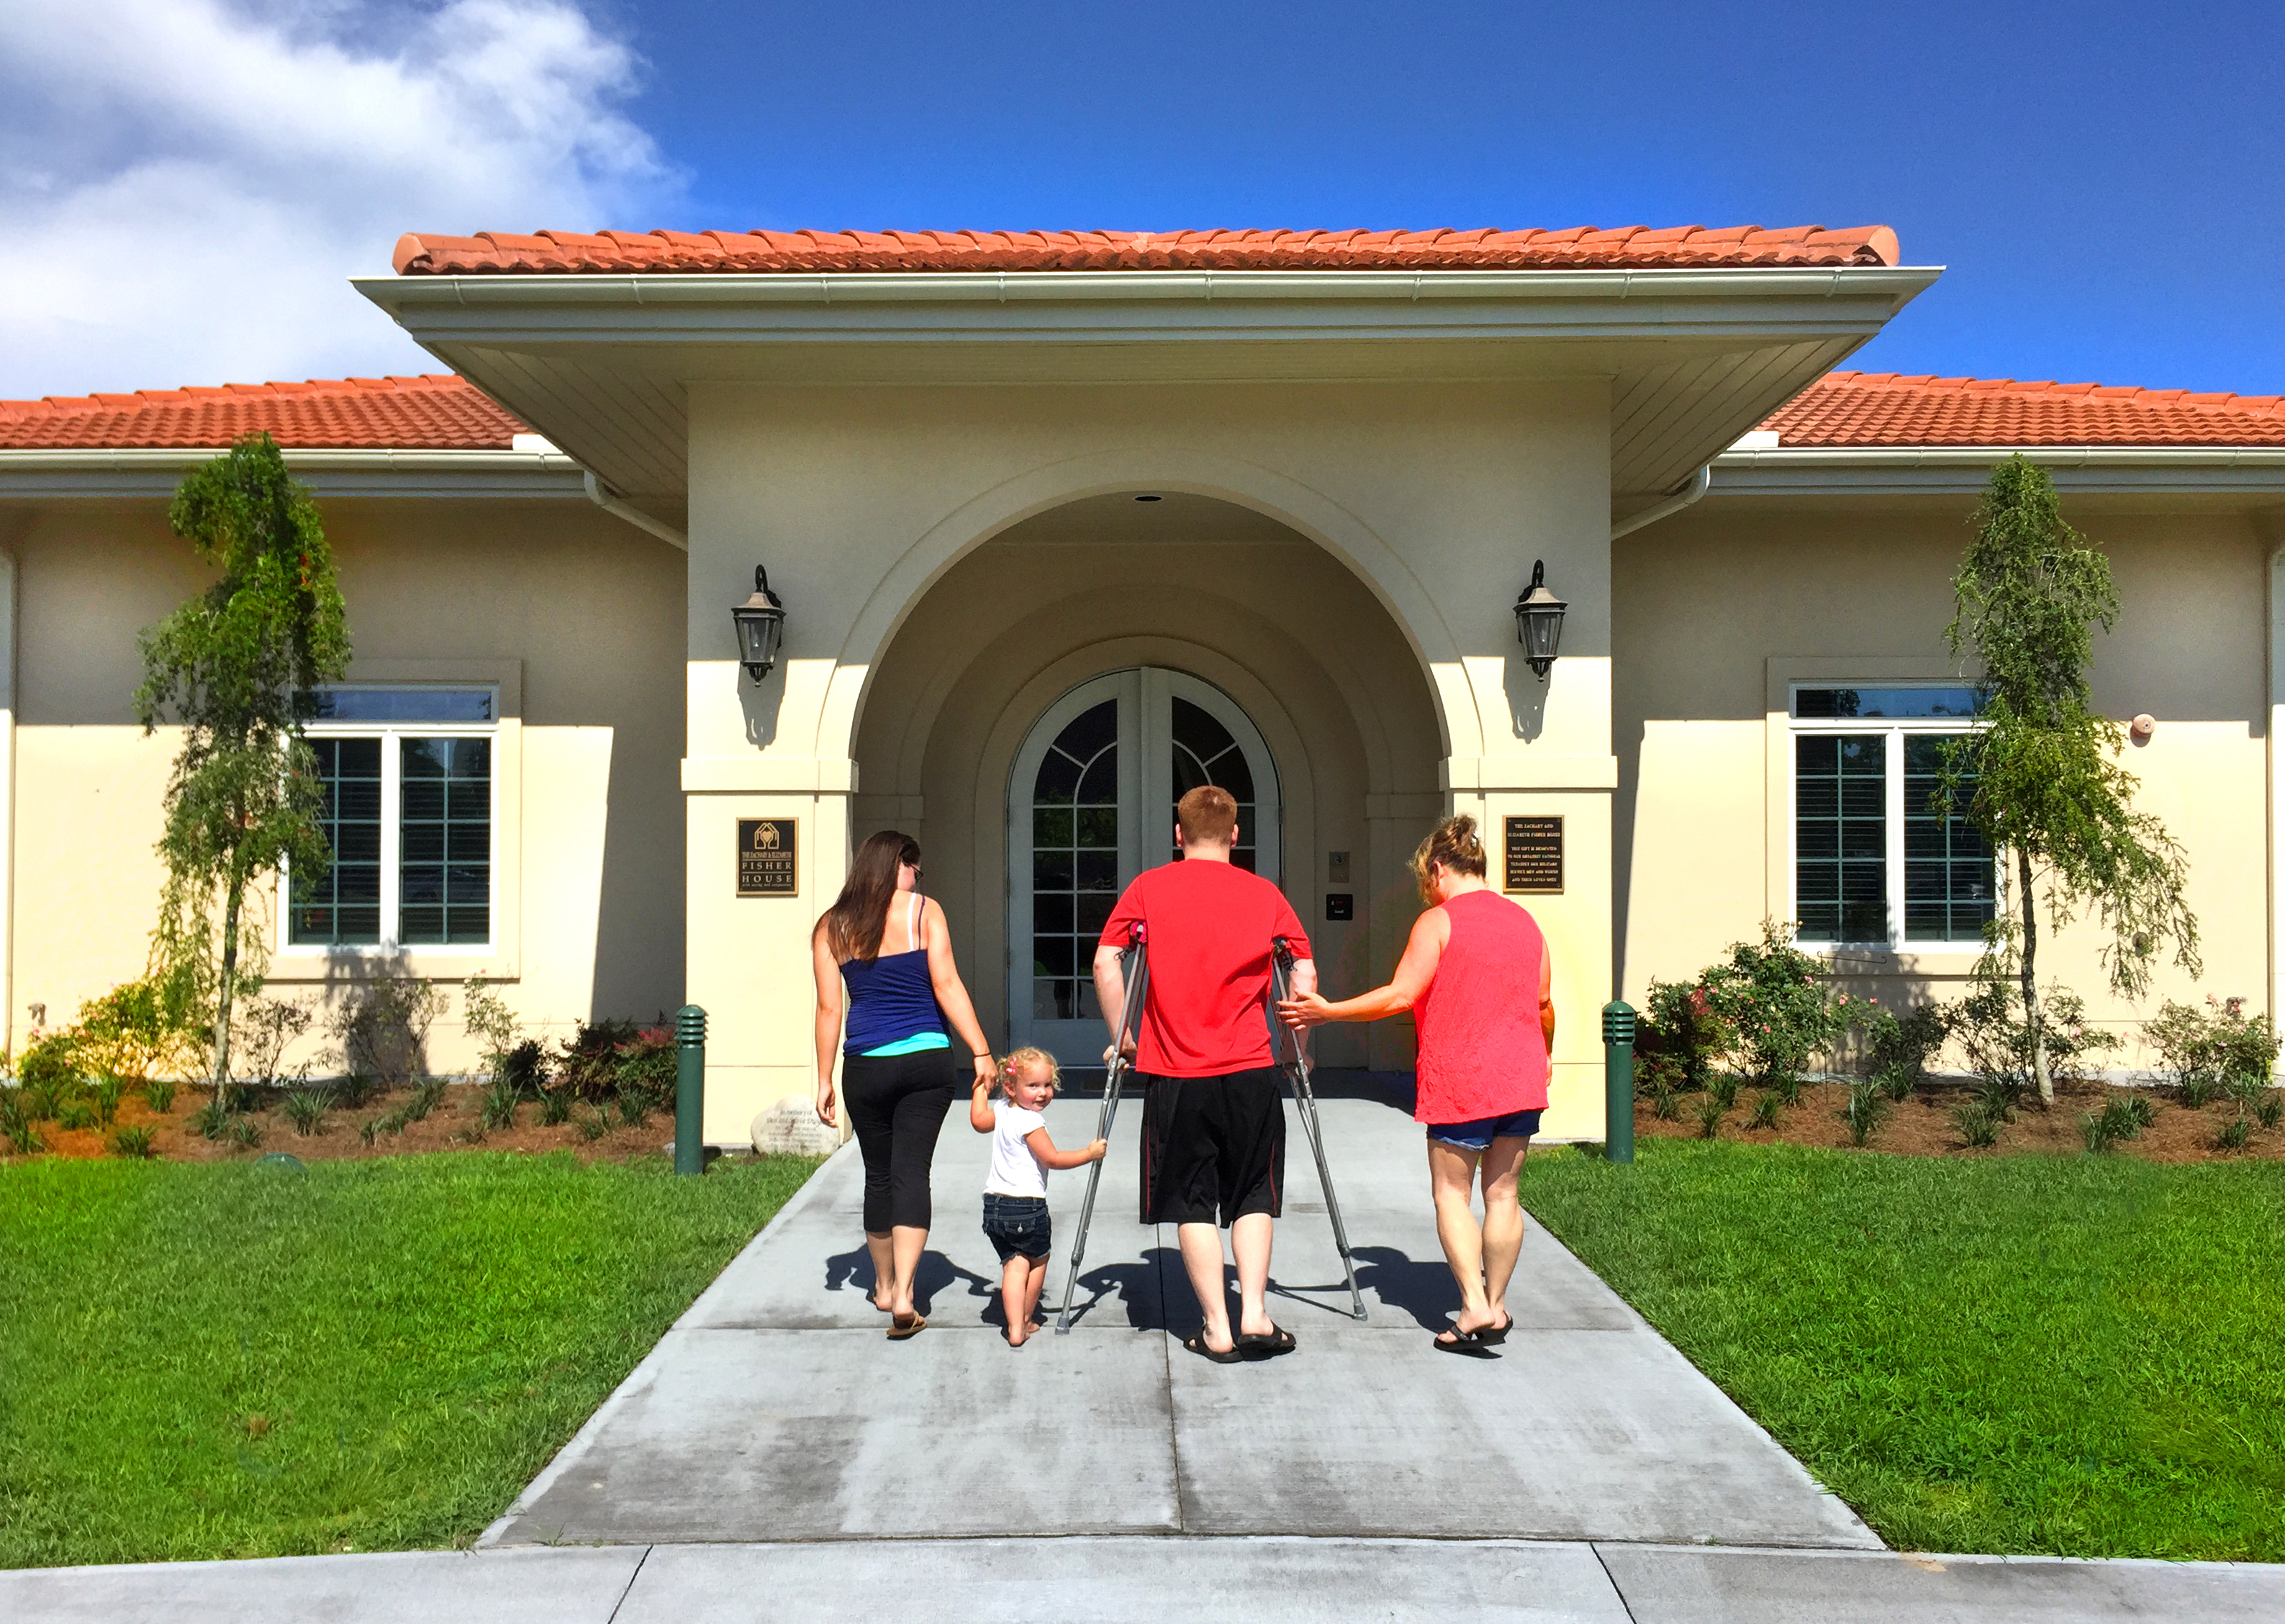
(1305, 1097)
(1135, 969)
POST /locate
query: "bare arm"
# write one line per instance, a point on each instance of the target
(1044, 1152)
(1547, 997)
(952, 994)
(979, 1106)
(1110, 992)
(828, 1019)
(1414, 971)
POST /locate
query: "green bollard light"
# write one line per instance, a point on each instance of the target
(1619, 1081)
(689, 1089)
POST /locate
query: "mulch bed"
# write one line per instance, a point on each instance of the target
(1922, 1125)
(455, 1124)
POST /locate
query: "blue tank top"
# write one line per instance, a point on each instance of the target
(892, 1002)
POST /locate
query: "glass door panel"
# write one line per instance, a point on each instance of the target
(1079, 830)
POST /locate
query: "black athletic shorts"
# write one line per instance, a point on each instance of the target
(1214, 1148)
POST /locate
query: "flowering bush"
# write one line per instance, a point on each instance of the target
(1775, 1001)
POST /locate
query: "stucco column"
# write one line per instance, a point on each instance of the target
(2276, 780)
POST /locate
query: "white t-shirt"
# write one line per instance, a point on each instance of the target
(1015, 1170)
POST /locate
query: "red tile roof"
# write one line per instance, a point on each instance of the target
(442, 412)
(1583, 248)
(435, 411)
(1871, 409)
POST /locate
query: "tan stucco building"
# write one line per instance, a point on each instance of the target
(1062, 523)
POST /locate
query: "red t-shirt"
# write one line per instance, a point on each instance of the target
(1209, 926)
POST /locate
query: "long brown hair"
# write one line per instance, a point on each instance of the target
(854, 922)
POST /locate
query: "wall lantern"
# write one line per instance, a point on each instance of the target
(1539, 621)
(760, 621)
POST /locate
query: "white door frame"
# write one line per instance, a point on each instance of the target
(1145, 696)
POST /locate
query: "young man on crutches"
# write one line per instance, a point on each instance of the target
(1214, 1114)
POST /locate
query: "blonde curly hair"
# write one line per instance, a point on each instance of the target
(1453, 844)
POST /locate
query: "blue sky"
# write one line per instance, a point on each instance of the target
(2106, 182)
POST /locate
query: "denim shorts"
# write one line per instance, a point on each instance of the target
(1017, 1224)
(1478, 1136)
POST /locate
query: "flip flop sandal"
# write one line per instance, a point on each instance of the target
(1462, 1341)
(903, 1325)
(1268, 1344)
(1197, 1342)
(1492, 1336)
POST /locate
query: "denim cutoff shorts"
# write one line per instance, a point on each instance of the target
(1478, 1136)
(1017, 1224)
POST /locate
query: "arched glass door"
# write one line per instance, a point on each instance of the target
(1079, 830)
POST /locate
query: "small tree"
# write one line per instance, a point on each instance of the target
(2048, 791)
(237, 666)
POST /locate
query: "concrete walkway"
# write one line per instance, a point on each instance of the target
(1151, 1581)
(776, 1409)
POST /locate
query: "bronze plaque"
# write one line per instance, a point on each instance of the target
(767, 849)
(1535, 855)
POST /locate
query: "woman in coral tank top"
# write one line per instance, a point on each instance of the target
(1475, 976)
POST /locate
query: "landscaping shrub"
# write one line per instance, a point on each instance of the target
(244, 1133)
(353, 1089)
(1775, 999)
(133, 1143)
(49, 1069)
(425, 1099)
(106, 1093)
(75, 1114)
(261, 1029)
(1978, 1124)
(18, 1126)
(1864, 1110)
(501, 1097)
(306, 1109)
(213, 1118)
(1711, 1108)
(2211, 1052)
(138, 1028)
(590, 1069)
(382, 1027)
(2269, 1108)
(1766, 1106)
(158, 1095)
(1988, 1024)
(2234, 1134)
(1899, 1046)
(1678, 1039)
(554, 1107)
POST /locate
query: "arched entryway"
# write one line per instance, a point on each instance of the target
(1090, 804)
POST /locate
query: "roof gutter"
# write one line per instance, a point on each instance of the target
(1700, 483)
(603, 497)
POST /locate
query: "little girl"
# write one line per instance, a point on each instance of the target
(1016, 1191)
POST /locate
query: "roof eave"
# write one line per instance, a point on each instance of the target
(1936, 470)
(99, 473)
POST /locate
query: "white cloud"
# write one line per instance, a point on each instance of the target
(186, 184)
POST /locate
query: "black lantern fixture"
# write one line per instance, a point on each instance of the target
(1539, 621)
(760, 621)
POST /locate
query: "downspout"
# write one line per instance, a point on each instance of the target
(1674, 504)
(603, 497)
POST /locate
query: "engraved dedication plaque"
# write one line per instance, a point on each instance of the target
(1535, 855)
(767, 850)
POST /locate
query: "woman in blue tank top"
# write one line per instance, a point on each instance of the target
(890, 946)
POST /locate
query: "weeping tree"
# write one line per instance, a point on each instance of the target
(2042, 780)
(237, 667)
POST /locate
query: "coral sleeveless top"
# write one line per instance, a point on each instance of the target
(1482, 1052)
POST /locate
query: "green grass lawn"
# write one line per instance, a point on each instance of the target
(2080, 1356)
(232, 1361)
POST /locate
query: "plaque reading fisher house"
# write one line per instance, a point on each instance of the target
(1535, 855)
(767, 848)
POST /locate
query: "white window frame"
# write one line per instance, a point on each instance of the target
(391, 734)
(1897, 729)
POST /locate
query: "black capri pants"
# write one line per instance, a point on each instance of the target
(897, 1104)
